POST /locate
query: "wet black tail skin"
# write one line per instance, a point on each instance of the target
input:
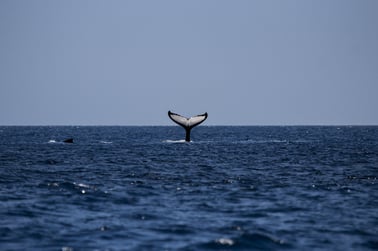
(187, 135)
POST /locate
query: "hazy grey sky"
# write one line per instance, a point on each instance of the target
(244, 62)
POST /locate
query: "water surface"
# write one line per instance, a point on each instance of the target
(231, 188)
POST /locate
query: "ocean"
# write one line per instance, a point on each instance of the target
(231, 188)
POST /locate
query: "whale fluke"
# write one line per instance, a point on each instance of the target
(187, 123)
(70, 140)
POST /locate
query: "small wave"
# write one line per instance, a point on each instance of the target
(74, 187)
(106, 142)
(52, 141)
(251, 141)
(81, 185)
(225, 241)
(247, 241)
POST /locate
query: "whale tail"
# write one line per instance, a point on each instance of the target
(187, 123)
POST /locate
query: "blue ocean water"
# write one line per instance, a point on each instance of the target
(231, 188)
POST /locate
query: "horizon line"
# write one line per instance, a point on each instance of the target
(151, 125)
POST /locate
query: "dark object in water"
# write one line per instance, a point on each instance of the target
(70, 140)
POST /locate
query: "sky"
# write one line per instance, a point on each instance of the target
(268, 62)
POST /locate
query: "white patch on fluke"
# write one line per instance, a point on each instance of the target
(187, 122)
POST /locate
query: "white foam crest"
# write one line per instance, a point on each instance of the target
(174, 141)
(250, 141)
(225, 241)
(105, 142)
(81, 185)
(273, 141)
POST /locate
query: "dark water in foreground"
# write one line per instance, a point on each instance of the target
(232, 188)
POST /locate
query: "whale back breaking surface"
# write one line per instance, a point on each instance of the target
(69, 140)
